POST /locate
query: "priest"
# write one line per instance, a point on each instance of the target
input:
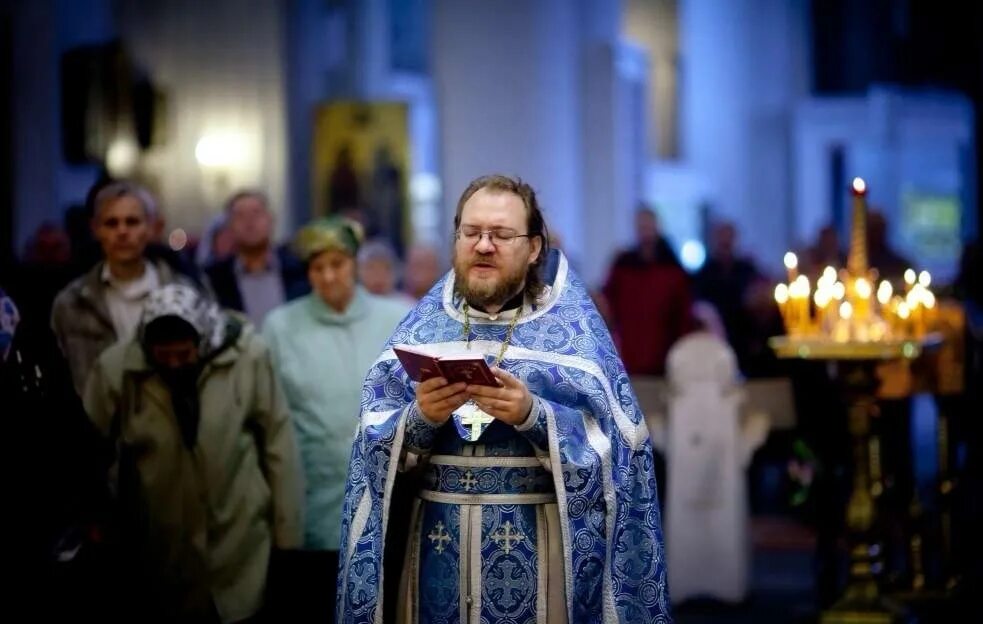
(530, 501)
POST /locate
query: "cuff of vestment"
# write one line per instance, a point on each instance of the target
(420, 431)
(534, 426)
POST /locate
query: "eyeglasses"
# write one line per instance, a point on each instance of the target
(472, 234)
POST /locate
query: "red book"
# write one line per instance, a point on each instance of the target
(420, 366)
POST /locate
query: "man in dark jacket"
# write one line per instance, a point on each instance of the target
(725, 281)
(258, 277)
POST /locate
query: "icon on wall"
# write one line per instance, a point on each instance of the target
(361, 166)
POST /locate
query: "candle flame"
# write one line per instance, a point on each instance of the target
(781, 293)
(909, 277)
(884, 292)
(846, 310)
(928, 300)
(915, 296)
(924, 278)
(791, 261)
(862, 286)
(903, 311)
(859, 186)
(839, 291)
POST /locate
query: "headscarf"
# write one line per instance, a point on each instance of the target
(9, 318)
(327, 234)
(211, 330)
(186, 303)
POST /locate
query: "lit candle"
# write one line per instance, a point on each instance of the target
(863, 290)
(884, 293)
(798, 305)
(856, 263)
(781, 298)
(909, 279)
(792, 264)
(822, 298)
(862, 287)
(846, 311)
(904, 315)
(794, 317)
(903, 311)
(928, 300)
(914, 302)
(842, 331)
(805, 318)
(925, 279)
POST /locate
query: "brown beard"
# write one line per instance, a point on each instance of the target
(486, 295)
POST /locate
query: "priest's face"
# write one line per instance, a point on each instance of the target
(492, 249)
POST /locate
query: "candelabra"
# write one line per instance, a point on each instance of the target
(845, 309)
(854, 327)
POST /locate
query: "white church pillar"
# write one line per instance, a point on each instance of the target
(744, 66)
(506, 76)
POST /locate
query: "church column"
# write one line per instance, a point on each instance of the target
(613, 124)
(44, 183)
(743, 68)
(507, 80)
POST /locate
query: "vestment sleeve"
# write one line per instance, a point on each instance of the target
(534, 428)
(420, 431)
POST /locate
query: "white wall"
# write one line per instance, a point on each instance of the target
(506, 83)
(744, 66)
(221, 65)
(897, 141)
(543, 89)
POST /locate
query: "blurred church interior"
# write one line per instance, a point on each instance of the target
(739, 123)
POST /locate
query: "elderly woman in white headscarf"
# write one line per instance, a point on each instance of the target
(206, 471)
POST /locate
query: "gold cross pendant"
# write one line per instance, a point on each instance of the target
(472, 416)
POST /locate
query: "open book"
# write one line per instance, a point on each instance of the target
(421, 365)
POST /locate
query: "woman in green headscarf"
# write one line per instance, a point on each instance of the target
(322, 346)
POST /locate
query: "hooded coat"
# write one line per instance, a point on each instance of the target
(200, 522)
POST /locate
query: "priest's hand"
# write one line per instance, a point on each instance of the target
(510, 403)
(438, 400)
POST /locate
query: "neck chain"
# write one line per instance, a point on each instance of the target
(508, 333)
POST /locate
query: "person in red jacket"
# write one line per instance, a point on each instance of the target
(647, 299)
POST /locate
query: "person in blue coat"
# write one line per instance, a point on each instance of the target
(322, 344)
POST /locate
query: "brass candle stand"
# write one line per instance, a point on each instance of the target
(855, 372)
(855, 328)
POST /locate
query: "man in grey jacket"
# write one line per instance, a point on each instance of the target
(103, 306)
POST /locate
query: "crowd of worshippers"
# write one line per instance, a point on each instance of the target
(185, 418)
(228, 375)
(218, 388)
